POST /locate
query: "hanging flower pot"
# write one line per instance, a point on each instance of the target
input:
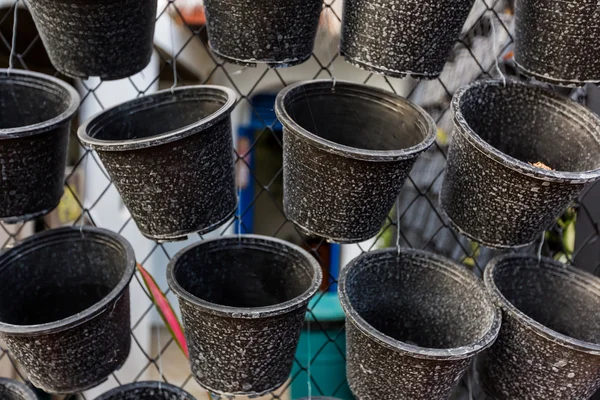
(13, 390)
(402, 37)
(111, 39)
(347, 150)
(279, 33)
(170, 156)
(414, 322)
(519, 155)
(147, 391)
(557, 42)
(243, 300)
(35, 116)
(64, 306)
(549, 343)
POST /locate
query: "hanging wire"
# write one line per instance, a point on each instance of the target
(13, 45)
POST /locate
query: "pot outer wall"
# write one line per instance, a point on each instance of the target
(557, 41)
(111, 39)
(14, 390)
(402, 38)
(147, 391)
(280, 33)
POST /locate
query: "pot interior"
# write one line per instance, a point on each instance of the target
(563, 301)
(418, 300)
(356, 116)
(27, 100)
(58, 276)
(532, 125)
(244, 273)
(157, 114)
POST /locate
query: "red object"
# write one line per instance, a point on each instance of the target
(195, 16)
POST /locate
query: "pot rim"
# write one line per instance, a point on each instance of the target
(572, 83)
(14, 385)
(155, 100)
(145, 385)
(510, 162)
(570, 273)
(451, 268)
(32, 79)
(47, 238)
(246, 312)
(354, 152)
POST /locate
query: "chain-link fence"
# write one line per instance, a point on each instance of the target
(182, 58)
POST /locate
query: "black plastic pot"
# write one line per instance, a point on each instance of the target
(64, 306)
(492, 193)
(111, 39)
(13, 390)
(402, 37)
(147, 391)
(556, 41)
(279, 33)
(170, 156)
(414, 322)
(549, 343)
(243, 300)
(35, 116)
(347, 150)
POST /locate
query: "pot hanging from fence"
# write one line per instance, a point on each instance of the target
(111, 39)
(147, 391)
(549, 343)
(492, 192)
(414, 322)
(170, 156)
(64, 306)
(402, 37)
(35, 117)
(14, 390)
(557, 41)
(279, 33)
(243, 300)
(347, 150)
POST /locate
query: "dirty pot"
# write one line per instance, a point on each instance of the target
(414, 322)
(402, 37)
(347, 150)
(35, 117)
(243, 301)
(549, 343)
(111, 39)
(492, 192)
(13, 390)
(170, 156)
(279, 33)
(64, 306)
(557, 41)
(147, 391)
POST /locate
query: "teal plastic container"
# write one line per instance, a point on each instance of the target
(328, 370)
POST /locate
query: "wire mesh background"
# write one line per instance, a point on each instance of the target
(483, 50)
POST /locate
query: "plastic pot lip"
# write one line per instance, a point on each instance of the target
(555, 81)
(353, 152)
(18, 387)
(154, 100)
(46, 238)
(530, 323)
(246, 312)
(145, 385)
(508, 161)
(457, 353)
(29, 78)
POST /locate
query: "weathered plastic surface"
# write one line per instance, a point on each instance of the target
(492, 192)
(64, 306)
(414, 323)
(347, 150)
(243, 301)
(35, 116)
(170, 156)
(147, 391)
(549, 343)
(14, 390)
